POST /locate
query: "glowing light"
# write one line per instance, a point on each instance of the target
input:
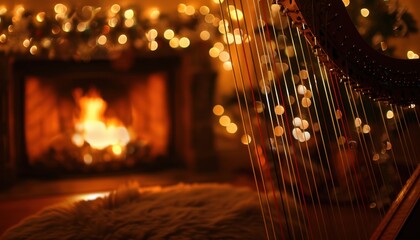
(81, 27)
(219, 46)
(227, 66)
(214, 52)
(279, 109)
(246, 139)
(87, 158)
(297, 122)
(235, 14)
(232, 128)
(229, 38)
(168, 34)
(129, 13)
(218, 1)
(224, 56)
(275, 8)
(301, 89)
(338, 114)
(346, 3)
(205, 35)
(3, 10)
(102, 40)
(260, 106)
(26, 43)
(224, 120)
(129, 23)
(33, 50)
(153, 45)
(122, 39)
(357, 122)
(115, 8)
(154, 14)
(306, 102)
(40, 17)
(151, 34)
(60, 8)
(113, 22)
(366, 129)
(389, 114)
(290, 51)
(303, 74)
(189, 10)
(388, 146)
(181, 8)
(67, 27)
(218, 110)
(278, 131)
(412, 55)
(3, 38)
(308, 94)
(209, 18)
(375, 157)
(364, 12)
(204, 10)
(77, 139)
(174, 42)
(304, 125)
(297, 133)
(184, 42)
(117, 149)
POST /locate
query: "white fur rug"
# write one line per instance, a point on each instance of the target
(201, 211)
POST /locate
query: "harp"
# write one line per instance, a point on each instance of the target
(330, 123)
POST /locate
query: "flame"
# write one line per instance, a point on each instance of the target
(94, 128)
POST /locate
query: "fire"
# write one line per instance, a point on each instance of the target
(92, 126)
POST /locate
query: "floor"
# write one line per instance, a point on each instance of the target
(30, 196)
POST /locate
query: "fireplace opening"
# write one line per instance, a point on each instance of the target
(77, 117)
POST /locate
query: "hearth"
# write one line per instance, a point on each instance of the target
(70, 118)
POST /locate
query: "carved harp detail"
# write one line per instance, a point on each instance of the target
(330, 124)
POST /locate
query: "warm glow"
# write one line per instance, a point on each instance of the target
(153, 45)
(184, 42)
(224, 120)
(218, 1)
(189, 10)
(102, 40)
(204, 10)
(218, 110)
(246, 139)
(33, 50)
(235, 14)
(128, 14)
(94, 128)
(278, 131)
(205, 35)
(154, 14)
(168, 34)
(174, 42)
(232, 128)
(357, 122)
(279, 110)
(116, 149)
(346, 3)
(122, 39)
(366, 129)
(40, 17)
(115, 8)
(227, 66)
(389, 114)
(364, 12)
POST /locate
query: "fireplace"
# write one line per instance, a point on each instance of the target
(105, 116)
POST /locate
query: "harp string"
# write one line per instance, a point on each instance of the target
(407, 132)
(263, 205)
(336, 178)
(332, 184)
